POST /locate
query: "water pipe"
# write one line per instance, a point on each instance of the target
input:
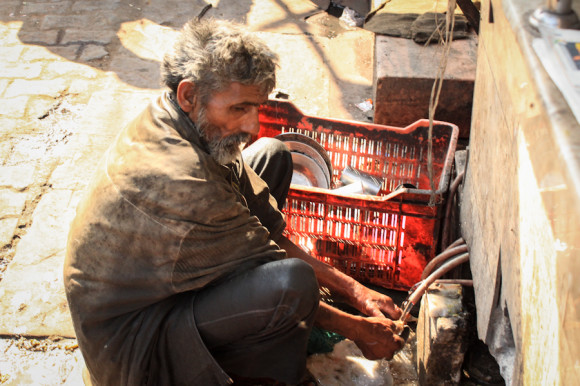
(442, 257)
(414, 297)
(449, 205)
(459, 241)
(456, 243)
(465, 282)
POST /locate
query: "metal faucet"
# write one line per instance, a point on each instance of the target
(556, 14)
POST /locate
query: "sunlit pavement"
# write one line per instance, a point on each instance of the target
(72, 74)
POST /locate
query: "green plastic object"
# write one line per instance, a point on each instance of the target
(322, 341)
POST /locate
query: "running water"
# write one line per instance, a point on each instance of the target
(346, 366)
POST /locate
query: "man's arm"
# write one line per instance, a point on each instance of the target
(375, 335)
(343, 287)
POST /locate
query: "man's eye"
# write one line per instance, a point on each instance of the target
(240, 109)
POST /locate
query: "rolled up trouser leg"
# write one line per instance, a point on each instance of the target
(257, 324)
(272, 161)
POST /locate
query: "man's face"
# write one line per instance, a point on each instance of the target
(229, 119)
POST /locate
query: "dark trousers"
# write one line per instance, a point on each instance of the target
(257, 324)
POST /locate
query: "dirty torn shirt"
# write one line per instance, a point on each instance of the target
(161, 219)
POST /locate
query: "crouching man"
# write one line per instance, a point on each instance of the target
(177, 271)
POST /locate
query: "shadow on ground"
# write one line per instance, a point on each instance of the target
(129, 37)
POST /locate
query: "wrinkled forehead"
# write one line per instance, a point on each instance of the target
(237, 93)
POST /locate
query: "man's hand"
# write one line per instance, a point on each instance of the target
(373, 303)
(377, 337)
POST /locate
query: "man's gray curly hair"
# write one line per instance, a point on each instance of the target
(213, 53)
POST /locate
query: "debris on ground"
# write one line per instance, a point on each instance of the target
(37, 361)
(347, 366)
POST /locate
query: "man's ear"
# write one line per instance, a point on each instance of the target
(186, 96)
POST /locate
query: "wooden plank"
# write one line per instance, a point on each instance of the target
(520, 202)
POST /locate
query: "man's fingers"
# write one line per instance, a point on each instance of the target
(400, 342)
(399, 326)
(385, 347)
(383, 309)
(376, 312)
(393, 311)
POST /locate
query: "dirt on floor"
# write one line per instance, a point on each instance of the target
(30, 361)
(57, 361)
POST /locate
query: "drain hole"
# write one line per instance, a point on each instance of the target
(335, 9)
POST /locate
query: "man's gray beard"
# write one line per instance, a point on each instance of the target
(223, 150)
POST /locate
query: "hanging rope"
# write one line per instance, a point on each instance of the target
(437, 84)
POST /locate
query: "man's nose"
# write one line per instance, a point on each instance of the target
(251, 124)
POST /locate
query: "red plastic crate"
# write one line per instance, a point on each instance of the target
(384, 240)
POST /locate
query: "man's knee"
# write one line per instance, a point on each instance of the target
(297, 286)
(274, 148)
(279, 150)
(272, 161)
(268, 151)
